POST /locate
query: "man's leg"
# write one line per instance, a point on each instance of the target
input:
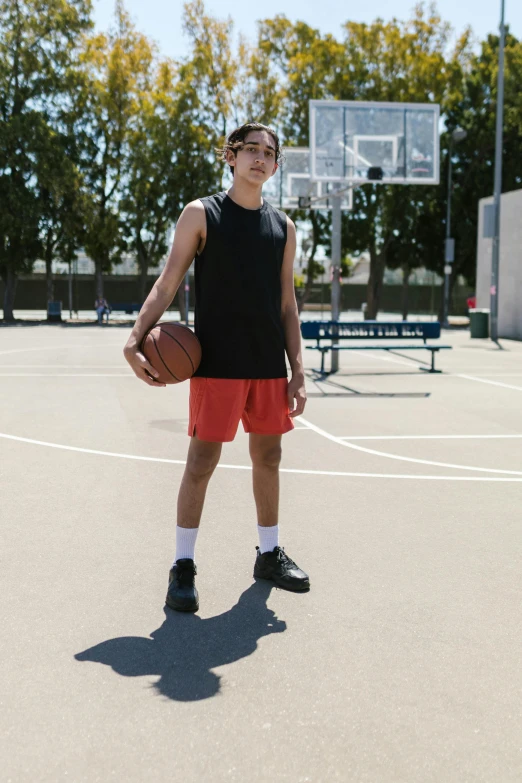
(265, 452)
(272, 562)
(203, 456)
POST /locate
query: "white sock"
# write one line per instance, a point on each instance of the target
(185, 542)
(268, 538)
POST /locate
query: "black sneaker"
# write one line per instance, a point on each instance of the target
(182, 594)
(278, 567)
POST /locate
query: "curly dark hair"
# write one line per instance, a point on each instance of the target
(236, 140)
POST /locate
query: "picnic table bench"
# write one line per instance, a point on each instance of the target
(387, 331)
(125, 307)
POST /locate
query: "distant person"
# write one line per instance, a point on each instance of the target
(244, 257)
(102, 308)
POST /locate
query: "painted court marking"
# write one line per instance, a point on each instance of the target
(67, 375)
(39, 348)
(41, 366)
(297, 471)
(423, 437)
(343, 441)
(384, 358)
(386, 454)
(447, 374)
(483, 380)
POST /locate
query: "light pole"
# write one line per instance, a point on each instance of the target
(449, 253)
(336, 268)
(495, 252)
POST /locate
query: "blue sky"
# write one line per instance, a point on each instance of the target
(161, 20)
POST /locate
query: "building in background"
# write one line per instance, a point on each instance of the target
(85, 266)
(510, 264)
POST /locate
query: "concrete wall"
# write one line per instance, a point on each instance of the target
(31, 291)
(510, 264)
(31, 294)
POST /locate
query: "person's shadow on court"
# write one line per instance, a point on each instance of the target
(185, 649)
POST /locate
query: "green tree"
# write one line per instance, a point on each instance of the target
(474, 108)
(258, 95)
(212, 66)
(117, 68)
(306, 64)
(410, 61)
(60, 199)
(414, 212)
(38, 43)
(319, 225)
(170, 162)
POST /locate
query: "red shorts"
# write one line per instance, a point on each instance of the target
(217, 405)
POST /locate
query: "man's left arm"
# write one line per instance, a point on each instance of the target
(291, 325)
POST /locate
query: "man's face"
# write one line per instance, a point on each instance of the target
(256, 161)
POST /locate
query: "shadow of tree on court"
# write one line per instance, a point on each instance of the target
(185, 648)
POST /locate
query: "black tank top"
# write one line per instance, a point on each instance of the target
(238, 291)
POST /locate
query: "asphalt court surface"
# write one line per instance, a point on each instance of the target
(400, 495)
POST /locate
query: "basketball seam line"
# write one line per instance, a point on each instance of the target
(161, 357)
(182, 347)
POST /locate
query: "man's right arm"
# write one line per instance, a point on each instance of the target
(188, 236)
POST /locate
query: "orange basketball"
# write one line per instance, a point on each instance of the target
(173, 350)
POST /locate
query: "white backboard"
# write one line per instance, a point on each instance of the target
(399, 141)
(292, 179)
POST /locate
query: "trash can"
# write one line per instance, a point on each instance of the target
(479, 322)
(54, 311)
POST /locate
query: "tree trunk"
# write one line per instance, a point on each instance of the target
(304, 293)
(373, 297)
(10, 281)
(49, 280)
(453, 283)
(304, 296)
(375, 283)
(99, 280)
(441, 303)
(181, 301)
(49, 267)
(144, 268)
(406, 272)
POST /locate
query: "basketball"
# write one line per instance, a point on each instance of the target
(173, 350)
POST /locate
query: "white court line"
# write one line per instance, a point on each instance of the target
(249, 467)
(410, 364)
(60, 347)
(483, 380)
(66, 375)
(306, 423)
(119, 366)
(403, 459)
(130, 374)
(447, 374)
(63, 366)
(424, 437)
(384, 358)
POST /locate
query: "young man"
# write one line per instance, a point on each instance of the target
(245, 318)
